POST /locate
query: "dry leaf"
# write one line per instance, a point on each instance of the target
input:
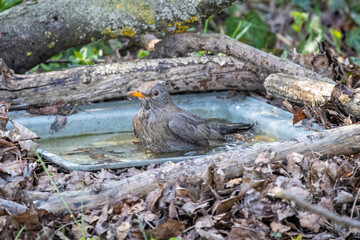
(204, 222)
(100, 228)
(123, 230)
(30, 218)
(233, 182)
(191, 207)
(223, 205)
(171, 228)
(153, 197)
(344, 197)
(278, 227)
(298, 115)
(21, 133)
(309, 221)
(209, 235)
(48, 110)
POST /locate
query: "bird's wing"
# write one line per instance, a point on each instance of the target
(190, 128)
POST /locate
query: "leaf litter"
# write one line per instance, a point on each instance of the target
(242, 207)
(247, 210)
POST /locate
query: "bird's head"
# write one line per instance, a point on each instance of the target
(153, 95)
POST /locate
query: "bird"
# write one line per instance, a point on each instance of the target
(163, 127)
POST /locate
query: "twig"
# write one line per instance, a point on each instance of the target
(284, 40)
(354, 204)
(12, 207)
(69, 61)
(188, 229)
(321, 211)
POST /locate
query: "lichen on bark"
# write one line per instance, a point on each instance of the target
(47, 27)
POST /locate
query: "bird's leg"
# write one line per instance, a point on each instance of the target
(234, 137)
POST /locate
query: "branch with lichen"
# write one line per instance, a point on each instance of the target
(48, 27)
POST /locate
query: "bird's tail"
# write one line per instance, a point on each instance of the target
(229, 128)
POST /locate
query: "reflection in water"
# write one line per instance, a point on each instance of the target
(120, 147)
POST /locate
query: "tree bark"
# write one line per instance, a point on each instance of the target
(344, 140)
(95, 83)
(305, 90)
(12, 207)
(34, 31)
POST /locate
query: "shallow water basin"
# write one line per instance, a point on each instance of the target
(101, 136)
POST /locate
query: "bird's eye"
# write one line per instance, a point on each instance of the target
(156, 93)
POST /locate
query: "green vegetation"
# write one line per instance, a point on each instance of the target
(6, 4)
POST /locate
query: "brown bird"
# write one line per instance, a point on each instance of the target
(161, 126)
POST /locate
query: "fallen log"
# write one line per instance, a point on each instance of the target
(96, 83)
(180, 44)
(344, 140)
(306, 91)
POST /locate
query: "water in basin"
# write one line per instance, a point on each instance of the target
(121, 147)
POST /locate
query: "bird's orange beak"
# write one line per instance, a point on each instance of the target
(136, 93)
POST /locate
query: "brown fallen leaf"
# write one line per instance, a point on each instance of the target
(233, 182)
(154, 196)
(30, 218)
(8, 147)
(298, 115)
(172, 210)
(171, 228)
(48, 110)
(223, 206)
(245, 231)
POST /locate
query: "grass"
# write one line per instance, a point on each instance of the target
(19, 233)
(82, 226)
(142, 228)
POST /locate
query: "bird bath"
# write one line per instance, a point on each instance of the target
(100, 135)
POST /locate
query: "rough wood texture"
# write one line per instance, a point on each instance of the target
(342, 140)
(94, 83)
(305, 90)
(12, 207)
(180, 44)
(34, 31)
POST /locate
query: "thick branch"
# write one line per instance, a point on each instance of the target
(305, 90)
(94, 83)
(180, 44)
(342, 140)
(32, 32)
